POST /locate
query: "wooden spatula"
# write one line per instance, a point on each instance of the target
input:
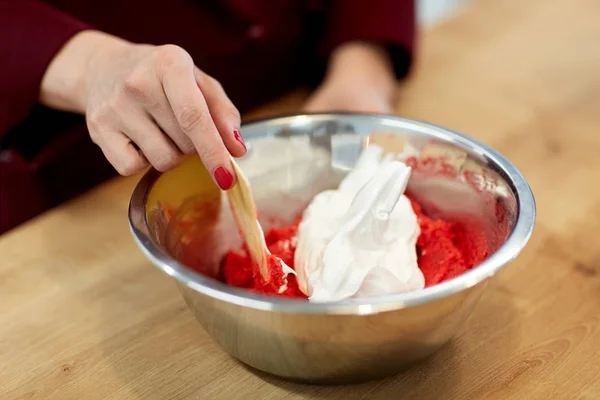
(244, 210)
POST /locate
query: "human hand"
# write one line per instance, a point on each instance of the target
(150, 104)
(359, 79)
(348, 97)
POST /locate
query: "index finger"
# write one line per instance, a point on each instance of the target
(193, 116)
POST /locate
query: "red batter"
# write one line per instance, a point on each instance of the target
(445, 249)
(238, 269)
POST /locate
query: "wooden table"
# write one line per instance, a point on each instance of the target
(83, 315)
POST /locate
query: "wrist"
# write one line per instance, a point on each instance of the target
(362, 63)
(66, 80)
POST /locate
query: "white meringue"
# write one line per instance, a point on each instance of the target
(360, 240)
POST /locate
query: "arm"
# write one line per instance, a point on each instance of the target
(143, 103)
(31, 33)
(368, 50)
(390, 24)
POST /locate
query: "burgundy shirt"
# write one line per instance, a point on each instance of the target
(257, 49)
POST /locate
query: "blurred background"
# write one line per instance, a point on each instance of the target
(432, 11)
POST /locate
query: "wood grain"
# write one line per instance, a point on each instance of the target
(84, 316)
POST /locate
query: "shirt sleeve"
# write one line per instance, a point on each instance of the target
(387, 22)
(31, 33)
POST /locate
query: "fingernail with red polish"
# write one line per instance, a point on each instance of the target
(239, 138)
(223, 177)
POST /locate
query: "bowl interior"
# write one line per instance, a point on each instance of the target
(291, 159)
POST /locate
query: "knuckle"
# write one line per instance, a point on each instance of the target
(123, 170)
(169, 55)
(167, 161)
(189, 118)
(94, 136)
(137, 82)
(129, 166)
(213, 82)
(207, 82)
(97, 121)
(94, 121)
(113, 110)
(105, 113)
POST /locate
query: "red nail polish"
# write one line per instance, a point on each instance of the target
(239, 138)
(223, 177)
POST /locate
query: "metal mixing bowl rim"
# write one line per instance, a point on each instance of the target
(210, 287)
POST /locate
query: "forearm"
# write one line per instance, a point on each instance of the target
(388, 23)
(364, 63)
(63, 85)
(31, 33)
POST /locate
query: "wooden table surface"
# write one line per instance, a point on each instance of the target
(83, 315)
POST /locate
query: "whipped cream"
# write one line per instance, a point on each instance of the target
(360, 240)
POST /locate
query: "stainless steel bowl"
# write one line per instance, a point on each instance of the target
(179, 218)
